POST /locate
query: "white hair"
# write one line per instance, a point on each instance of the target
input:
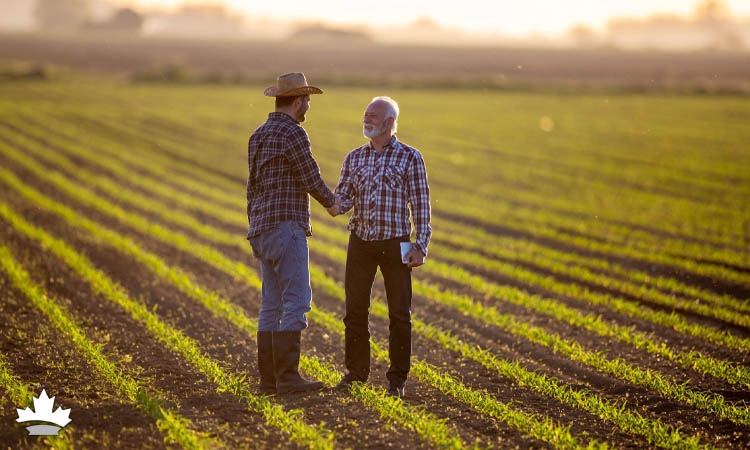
(391, 110)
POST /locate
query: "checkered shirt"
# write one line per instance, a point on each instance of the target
(282, 171)
(382, 188)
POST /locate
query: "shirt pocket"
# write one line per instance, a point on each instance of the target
(360, 178)
(394, 178)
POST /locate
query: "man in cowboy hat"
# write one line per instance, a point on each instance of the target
(385, 181)
(282, 171)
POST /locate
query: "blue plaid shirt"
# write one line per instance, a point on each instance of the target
(282, 171)
(382, 188)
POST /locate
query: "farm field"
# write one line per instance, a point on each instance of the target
(341, 61)
(587, 286)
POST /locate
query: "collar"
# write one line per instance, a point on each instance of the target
(391, 144)
(282, 117)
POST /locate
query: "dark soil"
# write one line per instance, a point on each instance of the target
(355, 426)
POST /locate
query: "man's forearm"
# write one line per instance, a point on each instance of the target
(322, 194)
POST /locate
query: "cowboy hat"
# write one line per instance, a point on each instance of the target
(291, 85)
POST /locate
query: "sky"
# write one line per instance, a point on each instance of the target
(519, 18)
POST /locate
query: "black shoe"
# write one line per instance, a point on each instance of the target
(265, 363)
(396, 391)
(286, 364)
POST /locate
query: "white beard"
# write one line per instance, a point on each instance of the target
(374, 132)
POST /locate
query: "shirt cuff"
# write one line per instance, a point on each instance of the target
(422, 247)
(330, 200)
(346, 205)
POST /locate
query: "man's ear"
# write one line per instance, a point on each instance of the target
(297, 102)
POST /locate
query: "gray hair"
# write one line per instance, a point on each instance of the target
(391, 111)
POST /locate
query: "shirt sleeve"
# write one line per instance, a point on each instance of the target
(419, 200)
(306, 168)
(345, 189)
(250, 191)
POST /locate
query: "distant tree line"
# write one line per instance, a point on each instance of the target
(75, 15)
(711, 26)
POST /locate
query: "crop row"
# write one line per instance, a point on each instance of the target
(16, 390)
(175, 428)
(166, 111)
(639, 232)
(217, 235)
(627, 281)
(565, 212)
(631, 308)
(725, 370)
(653, 430)
(608, 168)
(571, 237)
(542, 429)
(157, 128)
(716, 367)
(429, 427)
(692, 360)
(19, 394)
(650, 379)
(529, 222)
(620, 304)
(539, 208)
(289, 422)
(713, 334)
(672, 320)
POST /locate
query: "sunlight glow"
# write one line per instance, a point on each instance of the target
(515, 18)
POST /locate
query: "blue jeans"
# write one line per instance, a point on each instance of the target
(283, 255)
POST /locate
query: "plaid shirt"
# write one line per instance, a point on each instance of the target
(282, 171)
(382, 187)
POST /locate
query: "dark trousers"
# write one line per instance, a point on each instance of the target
(362, 261)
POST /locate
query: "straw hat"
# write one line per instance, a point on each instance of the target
(291, 85)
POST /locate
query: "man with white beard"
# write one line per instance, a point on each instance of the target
(383, 180)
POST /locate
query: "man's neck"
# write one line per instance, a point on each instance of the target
(378, 142)
(288, 112)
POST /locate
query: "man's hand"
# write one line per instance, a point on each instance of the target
(414, 258)
(335, 210)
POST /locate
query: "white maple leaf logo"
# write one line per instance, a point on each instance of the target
(43, 413)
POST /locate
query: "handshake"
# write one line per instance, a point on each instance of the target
(335, 210)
